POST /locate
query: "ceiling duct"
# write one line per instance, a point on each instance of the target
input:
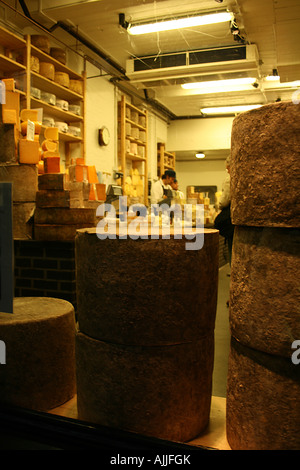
(185, 64)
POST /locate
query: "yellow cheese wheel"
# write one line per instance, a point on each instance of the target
(49, 145)
(51, 133)
(31, 114)
(62, 79)
(47, 70)
(35, 64)
(37, 127)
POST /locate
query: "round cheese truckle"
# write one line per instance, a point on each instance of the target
(39, 338)
(161, 391)
(146, 291)
(264, 291)
(262, 403)
(265, 166)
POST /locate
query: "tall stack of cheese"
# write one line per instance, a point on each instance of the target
(145, 345)
(18, 158)
(60, 207)
(263, 410)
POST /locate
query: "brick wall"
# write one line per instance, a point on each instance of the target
(45, 269)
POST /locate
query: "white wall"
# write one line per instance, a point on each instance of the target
(200, 134)
(201, 173)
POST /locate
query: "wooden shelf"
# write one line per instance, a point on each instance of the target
(43, 83)
(43, 57)
(132, 160)
(8, 65)
(56, 112)
(165, 159)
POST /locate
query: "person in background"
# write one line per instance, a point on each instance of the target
(179, 194)
(225, 197)
(159, 189)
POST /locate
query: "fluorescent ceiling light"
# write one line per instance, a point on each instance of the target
(219, 83)
(272, 78)
(180, 23)
(200, 155)
(229, 109)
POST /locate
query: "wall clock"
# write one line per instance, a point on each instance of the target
(104, 136)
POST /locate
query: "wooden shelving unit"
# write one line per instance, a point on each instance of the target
(165, 160)
(133, 151)
(14, 47)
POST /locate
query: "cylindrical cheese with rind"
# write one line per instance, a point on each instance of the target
(264, 291)
(162, 391)
(265, 166)
(130, 291)
(262, 401)
(40, 353)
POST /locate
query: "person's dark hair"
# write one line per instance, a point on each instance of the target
(170, 173)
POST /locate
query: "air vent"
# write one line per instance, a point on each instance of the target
(181, 64)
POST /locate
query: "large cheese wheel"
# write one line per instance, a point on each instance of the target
(264, 291)
(47, 70)
(29, 114)
(265, 166)
(263, 392)
(17, 174)
(58, 54)
(40, 353)
(42, 42)
(132, 291)
(76, 85)
(62, 79)
(160, 391)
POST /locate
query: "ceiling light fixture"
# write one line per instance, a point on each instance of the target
(200, 155)
(274, 77)
(179, 23)
(229, 109)
(219, 83)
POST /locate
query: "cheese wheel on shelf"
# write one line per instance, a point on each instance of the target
(62, 126)
(49, 98)
(37, 127)
(62, 79)
(49, 145)
(41, 42)
(62, 104)
(51, 133)
(58, 54)
(47, 70)
(29, 114)
(76, 86)
(35, 64)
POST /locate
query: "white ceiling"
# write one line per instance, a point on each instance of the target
(272, 25)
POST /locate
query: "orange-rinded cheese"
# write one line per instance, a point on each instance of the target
(51, 133)
(52, 165)
(29, 114)
(9, 116)
(40, 167)
(80, 161)
(37, 127)
(47, 70)
(28, 151)
(92, 175)
(50, 145)
(12, 101)
(92, 194)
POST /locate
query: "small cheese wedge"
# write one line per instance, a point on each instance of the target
(29, 114)
(92, 175)
(28, 151)
(51, 133)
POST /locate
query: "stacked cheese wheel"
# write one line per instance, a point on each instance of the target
(146, 334)
(263, 382)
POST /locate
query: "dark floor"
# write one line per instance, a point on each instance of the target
(222, 335)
